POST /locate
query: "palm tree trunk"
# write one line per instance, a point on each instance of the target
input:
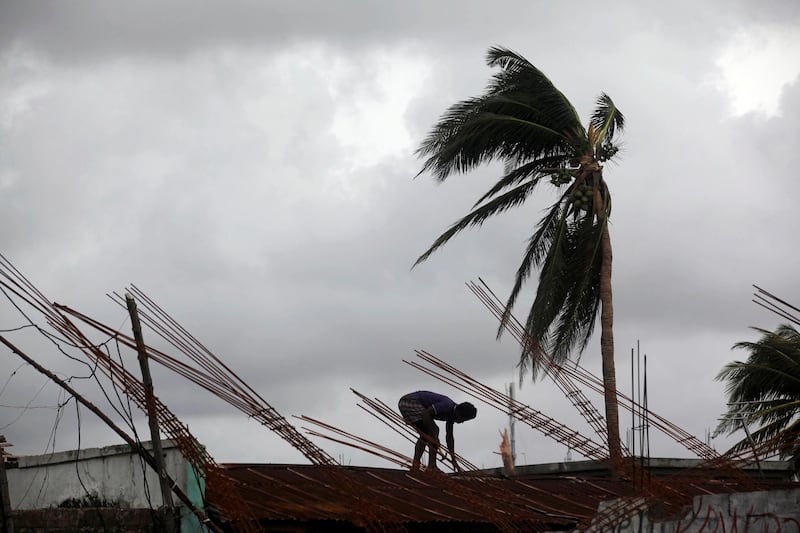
(607, 349)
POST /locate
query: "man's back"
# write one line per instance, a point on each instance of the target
(443, 407)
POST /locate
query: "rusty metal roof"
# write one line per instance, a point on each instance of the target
(309, 493)
(290, 492)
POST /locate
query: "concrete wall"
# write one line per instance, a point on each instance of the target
(656, 466)
(776, 511)
(88, 521)
(112, 473)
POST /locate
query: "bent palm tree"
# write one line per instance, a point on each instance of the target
(525, 122)
(765, 390)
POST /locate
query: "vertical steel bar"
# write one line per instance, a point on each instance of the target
(152, 417)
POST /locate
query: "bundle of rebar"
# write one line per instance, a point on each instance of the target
(209, 371)
(672, 491)
(553, 370)
(220, 380)
(196, 454)
(571, 374)
(566, 377)
(216, 377)
(780, 307)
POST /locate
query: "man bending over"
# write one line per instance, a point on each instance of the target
(420, 409)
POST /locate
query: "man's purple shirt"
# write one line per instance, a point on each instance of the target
(443, 407)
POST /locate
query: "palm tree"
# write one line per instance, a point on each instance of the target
(524, 121)
(765, 391)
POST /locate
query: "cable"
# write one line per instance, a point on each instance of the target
(129, 420)
(6, 406)
(127, 416)
(51, 438)
(56, 340)
(101, 499)
(17, 328)
(25, 409)
(9, 378)
(126, 412)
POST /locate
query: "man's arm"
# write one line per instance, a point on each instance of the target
(451, 444)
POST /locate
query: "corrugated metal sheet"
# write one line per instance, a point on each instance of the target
(312, 493)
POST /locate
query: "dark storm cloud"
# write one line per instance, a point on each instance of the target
(94, 29)
(103, 29)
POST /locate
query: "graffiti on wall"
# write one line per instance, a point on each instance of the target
(708, 516)
(718, 514)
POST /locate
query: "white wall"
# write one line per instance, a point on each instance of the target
(112, 472)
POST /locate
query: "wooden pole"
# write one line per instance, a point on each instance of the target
(136, 446)
(152, 417)
(5, 498)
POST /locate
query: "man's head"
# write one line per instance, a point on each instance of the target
(465, 411)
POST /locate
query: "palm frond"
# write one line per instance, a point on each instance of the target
(563, 314)
(601, 189)
(551, 292)
(520, 76)
(507, 59)
(515, 174)
(577, 319)
(563, 318)
(521, 115)
(472, 133)
(765, 391)
(773, 439)
(607, 119)
(771, 370)
(535, 251)
(479, 215)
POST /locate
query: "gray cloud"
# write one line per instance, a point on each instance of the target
(96, 30)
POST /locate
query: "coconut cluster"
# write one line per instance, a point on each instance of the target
(606, 152)
(582, 197)
(562, 177)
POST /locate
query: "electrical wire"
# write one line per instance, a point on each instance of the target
(89, 495)
(27, 406)
(2, 390)
(50, 445)
(127, 410)
(137, 439)
(17, 328)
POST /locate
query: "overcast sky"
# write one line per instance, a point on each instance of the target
(250, 166)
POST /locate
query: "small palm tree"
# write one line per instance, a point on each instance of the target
(524, 121)
(765, 391)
